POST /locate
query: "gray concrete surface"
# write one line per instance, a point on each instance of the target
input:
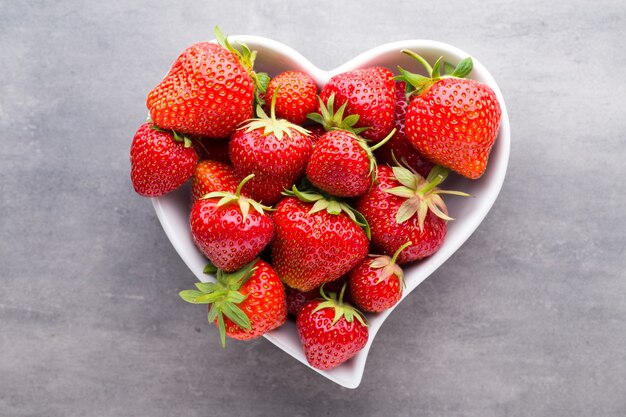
(527, 319)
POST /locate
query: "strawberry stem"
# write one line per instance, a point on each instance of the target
(400, 249)
(242, 183)
(421, 60)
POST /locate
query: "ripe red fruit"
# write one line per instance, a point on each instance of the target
(331, 331)
(376, 285)
(368, 93)
(160, 161)
(226, 231)
(296, 95)
(212, 149)
(274, 150)
(315, 241)
(244, 304)
(211, 176)
(342, 164)
(452, 121)
(405, 207)
(398, 147)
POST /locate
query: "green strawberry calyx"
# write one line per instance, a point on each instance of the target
(331, 205)
(223, 296)
(177, 136)
(244, 202)
(389, 265)
(246, 57)
(270, 124)
(421, 194)
(332, 119)
(342, 310)
(418, 84)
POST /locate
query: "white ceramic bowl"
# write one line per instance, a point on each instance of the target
(274, 57)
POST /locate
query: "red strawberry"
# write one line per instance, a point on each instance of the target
(398, 146)
(452, 121)
(317, 132)
(211, 176)
(405, 207)
(298, 299)
(331, 332)
(296, 97)
(316, 240)
(274, 150)
(376, 285)
(226, 231)
(160, 161)
(209, 90)
(368, 93)
(244, 304)
(212, 149)
(341, 164)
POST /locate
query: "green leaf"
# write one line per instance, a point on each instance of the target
(437, 69)
(263, 80)
(405, 177)
(212, 313)
(351, 120)
(191, 296)
(319, 206)
(205, 287)
(463, 69)
(407, 210)
(210, 269)
(237, 316)
(448, 68)
(222, 328)
(401, 191)
(316, 117)
(333, 207)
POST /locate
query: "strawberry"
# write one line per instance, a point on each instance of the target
(209, 90)
(316, 240)
(331, 331)
(316, 132)
(451, 120)
(225, 229)
(243, 304)
(405, 207)
(296, 95)
(368, 93)
(211, 176)
(274, 150)
(398, 147)
(212, 149)
(376, 285)
(161, 161)
(298, 299)
(341, 163)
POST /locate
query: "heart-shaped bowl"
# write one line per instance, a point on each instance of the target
(274, 57)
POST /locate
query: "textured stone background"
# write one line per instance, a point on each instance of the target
(527, 319)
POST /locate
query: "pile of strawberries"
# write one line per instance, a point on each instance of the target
(293, 188)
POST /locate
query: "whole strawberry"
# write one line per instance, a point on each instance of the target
(243, 304)
(211, 176)
(376, 285)
(296, 95)
(316, 240)
(398, 147)
(451, 120)
(405, 207)
(227, 231)
(331, 331)
(160, 161)
(274, 150)
(368, 93)
(209, 90)
(342, 164)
